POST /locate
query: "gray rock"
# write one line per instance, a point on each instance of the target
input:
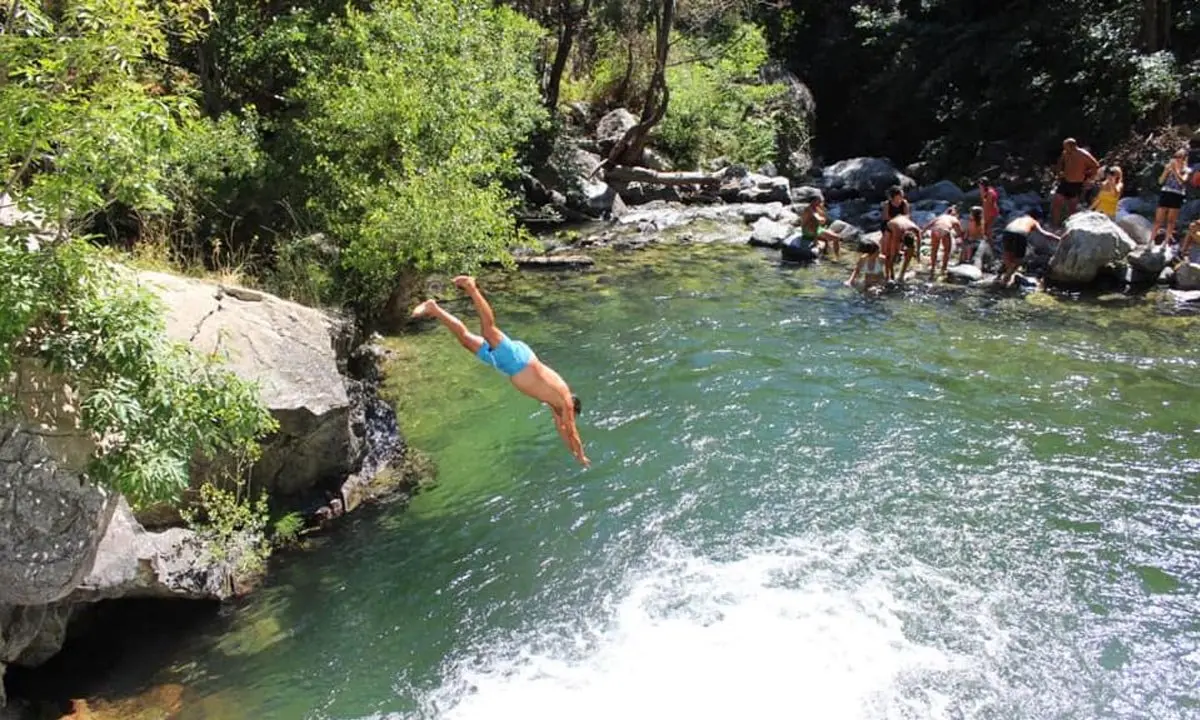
(1189, 212)
(1148, 260)
(612, 127)
(755, 188)
(1187, 276)
(1137, 227)
(292, 353)
(768, 233)
(1137, 206)
(943, 190)
(1167, 276)
(965, 272)
(752, 213)
(52, 520)
(132, 562)
(638, 193)
(31, 634)
(768, 170)
(863, 177)
(655, 160)
(1091, 242)
(805, 194)
(844, 230)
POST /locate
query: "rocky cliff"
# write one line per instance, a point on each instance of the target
(65, 542)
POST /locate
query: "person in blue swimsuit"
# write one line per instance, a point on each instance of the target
(514, 359)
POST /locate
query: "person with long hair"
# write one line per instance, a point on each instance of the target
(1173, 179)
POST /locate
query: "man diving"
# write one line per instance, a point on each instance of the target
(515, 359)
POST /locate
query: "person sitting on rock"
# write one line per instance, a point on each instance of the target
(1110, 192)
(1015, 240)
(1076, 167)
(814, 229)
(902, 231)
(870, 266)
(975, 235)
(893, 207)
(514, 359)
(943, 229)
(989, 199)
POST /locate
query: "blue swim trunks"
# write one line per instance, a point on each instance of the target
(509, 357)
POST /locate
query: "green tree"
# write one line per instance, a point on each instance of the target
(89, 124)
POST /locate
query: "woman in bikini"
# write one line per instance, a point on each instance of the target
(1110, 192)
(870, 266)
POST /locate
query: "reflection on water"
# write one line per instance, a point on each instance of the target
(803, 503)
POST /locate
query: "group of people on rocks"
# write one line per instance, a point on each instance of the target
(1080, 178)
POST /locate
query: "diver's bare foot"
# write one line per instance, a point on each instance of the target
(425, 309)
(466, 283)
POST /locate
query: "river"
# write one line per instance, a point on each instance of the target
(803, 504)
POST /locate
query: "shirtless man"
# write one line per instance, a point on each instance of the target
(1076, 166)
(1015, 240)
(902, 230)
(942, 231)
(515, 359)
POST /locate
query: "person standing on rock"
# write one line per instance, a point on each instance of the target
(894, 206)
(989, 199)
(1076, 167)
(976, 239)
(1015, 240)
(943, 229)
(1109, 197)
(1173, 179)
(514, 359)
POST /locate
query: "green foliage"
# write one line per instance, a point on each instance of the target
(407, 131)
(151, 402)
(1156, 83)
(88, 125)
(286, 530)
(718, 108)
(232, 526)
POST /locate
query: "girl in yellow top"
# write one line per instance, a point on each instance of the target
(1110, 192)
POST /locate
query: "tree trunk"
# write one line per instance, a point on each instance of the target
(569, 20)
(626, 173)
(628, 150)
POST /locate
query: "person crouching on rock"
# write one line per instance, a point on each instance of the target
(870, 267)
(814, 229)
(942, 231)
(902, 231)
(1015, 240)
(1192, 239)
(975, 235)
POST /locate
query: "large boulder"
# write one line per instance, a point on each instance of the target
(293, 353)
(53, 521)
(1137, 206)
(612, 127)
(794, 113)
(1092, 242)
(1189, 212)
(1136, 226)
(862, 177)
(942, 191)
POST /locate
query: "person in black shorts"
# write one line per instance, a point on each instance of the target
(1076, 167)
(1014, 241)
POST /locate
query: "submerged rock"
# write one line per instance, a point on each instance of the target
(1091, 242)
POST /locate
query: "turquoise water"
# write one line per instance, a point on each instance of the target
(803, 504)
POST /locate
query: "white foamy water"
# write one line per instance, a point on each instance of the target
(799, 631)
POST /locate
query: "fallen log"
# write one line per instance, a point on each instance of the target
(626, 173)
